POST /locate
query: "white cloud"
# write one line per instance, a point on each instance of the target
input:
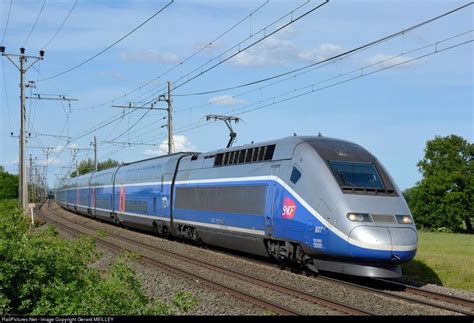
(112, 75)
(150, 56)
(181, 143)
(383, 60)
(272, 51)
(279, 51)
(322, 52)
(57, 148)
(226, 100)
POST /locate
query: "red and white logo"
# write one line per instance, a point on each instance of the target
(289, 208)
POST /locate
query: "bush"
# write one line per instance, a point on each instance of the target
(43, 274)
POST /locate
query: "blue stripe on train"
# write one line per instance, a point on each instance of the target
(303, 228)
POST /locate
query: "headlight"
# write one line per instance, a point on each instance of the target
(359, 217)
(404, 219)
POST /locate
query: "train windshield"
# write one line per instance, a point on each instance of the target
(357, 175)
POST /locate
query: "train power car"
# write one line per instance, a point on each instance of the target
(325, 203)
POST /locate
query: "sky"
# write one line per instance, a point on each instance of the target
(390, 98)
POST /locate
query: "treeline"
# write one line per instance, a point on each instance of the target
(443, 199)
(88, 166)
(8, 185)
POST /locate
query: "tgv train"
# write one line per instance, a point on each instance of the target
(325, 203)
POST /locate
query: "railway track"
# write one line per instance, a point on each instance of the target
(429, 298)
(459, 301)
(263, 283)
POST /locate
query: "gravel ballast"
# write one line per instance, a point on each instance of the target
(161, 284)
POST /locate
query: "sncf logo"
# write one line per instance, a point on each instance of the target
(289, 208)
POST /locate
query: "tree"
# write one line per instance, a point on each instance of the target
(87, 166)
(443, 198)
(8, 185)
(109, 163)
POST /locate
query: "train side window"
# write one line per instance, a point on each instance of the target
(248, 156)
(242, 156)
(261, 153)
(255, 154)
(218, 160)
(295, 175)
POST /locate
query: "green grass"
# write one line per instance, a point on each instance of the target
(445, 259)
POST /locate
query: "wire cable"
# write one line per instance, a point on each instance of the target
(354, 50)
(34, 25)
(6, 24)
(6, 96)
(61, 26)
(239, 45)
(311, 88)
(240, 50)
(182, 62)
(110, 46)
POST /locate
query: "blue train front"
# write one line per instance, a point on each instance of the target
(325, 203)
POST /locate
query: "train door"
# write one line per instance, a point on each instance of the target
(272, 197)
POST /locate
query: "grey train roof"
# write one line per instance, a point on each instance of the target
(328, 148)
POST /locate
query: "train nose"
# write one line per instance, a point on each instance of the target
(383, 243)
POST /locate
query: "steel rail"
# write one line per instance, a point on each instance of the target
(431, 294)
(332, 304)
(393, 295)
(176, 271)
(319, 300)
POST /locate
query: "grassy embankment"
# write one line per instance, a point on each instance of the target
(44, 274)
(445, 259)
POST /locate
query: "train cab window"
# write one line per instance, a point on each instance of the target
(356, 174)
(295, 175)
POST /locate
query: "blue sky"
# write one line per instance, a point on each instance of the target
(392, 113)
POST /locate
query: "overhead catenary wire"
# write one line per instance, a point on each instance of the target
(60, 27)
(180, 63)
(110, 46)
(34, 25)
(7, 21)
(418, 25)
(311, 88)
(290, 14)
(239, 49)
(238, 46)
(7, 106)
(131, 127)
(335, 57)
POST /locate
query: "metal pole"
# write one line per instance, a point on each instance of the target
(77, 167)
(30, 176)
(170, 121)
(35, 187)
(95, 152)
(23, 185)
(46, 164)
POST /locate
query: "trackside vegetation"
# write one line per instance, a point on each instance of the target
(43, 274)
(442, 199)
(444, 259)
